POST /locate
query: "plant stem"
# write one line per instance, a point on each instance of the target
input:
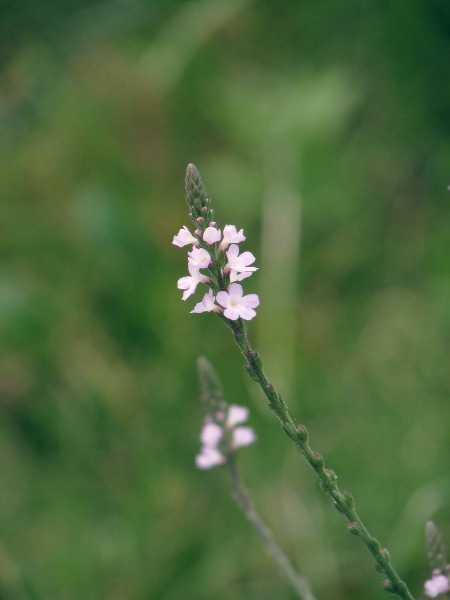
(298, 583)
(342, 501)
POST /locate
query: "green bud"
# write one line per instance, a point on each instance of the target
(353, 529)
(317, 460)
(331, 475)
(348, 499)
(302, 433)
(388, 586)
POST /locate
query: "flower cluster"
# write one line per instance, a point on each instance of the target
(438, 584)
(220, 436)
(226, 266)
(217, 253)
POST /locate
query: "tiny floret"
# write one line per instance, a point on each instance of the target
(199, 258)
(436, 585)
(239, 263)
(184, 237)
(207, 304)
(209, 457)
(231, 236)
(212, 235)
(236, 414)
(211, 434)
(189, 283)
(236, 304)
(242, 436)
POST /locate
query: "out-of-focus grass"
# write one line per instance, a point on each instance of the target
(324, 127)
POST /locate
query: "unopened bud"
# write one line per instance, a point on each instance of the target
(302, 433)
(353, 528)
(388, 586)
(317, 460)
(348, 499)
(199, 219)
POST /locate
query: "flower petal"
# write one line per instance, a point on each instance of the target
(209, 457)
(243, 436)
(236, 414)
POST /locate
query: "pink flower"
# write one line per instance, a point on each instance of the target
(207, 304)
(236, 305)
(438, 584)
(184, 237)
(211, 434)
(211, 235)
(239, 263)
(189, 283)
(209, 457)
(242, 436)
(231, 236)
(199, 258)
(236, 414)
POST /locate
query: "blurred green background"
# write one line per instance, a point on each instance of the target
(322, 129)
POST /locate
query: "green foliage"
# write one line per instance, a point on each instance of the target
(320, 128)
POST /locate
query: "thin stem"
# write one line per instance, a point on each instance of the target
(342, 501)
(299, 584)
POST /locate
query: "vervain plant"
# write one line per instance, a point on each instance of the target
(219, 256)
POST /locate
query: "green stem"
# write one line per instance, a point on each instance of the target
(342, 501)
(298, 583)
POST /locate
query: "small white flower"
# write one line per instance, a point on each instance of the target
(242, 436)
(189, 283)
(239, 263)
(435, 586)
(235, 415)
(231, 236)
(211, 235)
(184, 237)
(236, 305)
(199, 258)
(206, 305)
(209, 457)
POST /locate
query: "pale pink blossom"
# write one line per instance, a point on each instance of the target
(207, 304)
(211, 434)
(214, 440)
(236, 305)
(189, 283)
(209, 457)
(242, 436)
(184, 237)
(239, 263)
(211, 235)
(199, 258)
(236, 414)
(438, 584)
(231, 236)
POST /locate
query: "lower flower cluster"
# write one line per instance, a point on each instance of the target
(220, 436)
(437, 585)
(220, 255)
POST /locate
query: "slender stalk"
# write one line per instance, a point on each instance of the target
(342, 501)
(299, 584)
